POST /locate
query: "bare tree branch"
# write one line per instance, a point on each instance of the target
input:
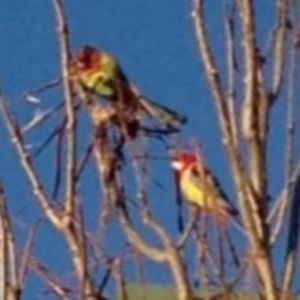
(69, 102)
(37, 187)
(53, 282)
(10, 287)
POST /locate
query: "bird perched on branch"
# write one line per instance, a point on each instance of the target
(99, 73)
(200, 187)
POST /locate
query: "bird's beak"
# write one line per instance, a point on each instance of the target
(177, 165)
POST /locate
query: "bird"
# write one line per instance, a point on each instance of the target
(99, 73)
(200, 186)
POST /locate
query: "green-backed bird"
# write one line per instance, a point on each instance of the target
(100, 73)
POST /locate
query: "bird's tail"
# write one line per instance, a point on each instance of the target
(170, 118)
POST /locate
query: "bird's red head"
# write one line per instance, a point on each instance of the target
(183, 160)
(87, 58)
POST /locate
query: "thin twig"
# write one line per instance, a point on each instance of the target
(63, 36)
(232, 70)
(53, 282)
(26, 255)
(293, 236)
(26, 161)
(280, 46)
(283, 201)
(188, 230)
(58, 161)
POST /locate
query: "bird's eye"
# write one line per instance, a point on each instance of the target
(195, 172)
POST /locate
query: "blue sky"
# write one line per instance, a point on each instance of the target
(155, 44)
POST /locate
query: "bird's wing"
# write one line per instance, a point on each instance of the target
(213, 192)
(161, 113)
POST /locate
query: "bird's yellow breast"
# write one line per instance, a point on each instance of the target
(192, 192)
(100, 77)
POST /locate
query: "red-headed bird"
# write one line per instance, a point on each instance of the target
(199, 186)
(99, 73)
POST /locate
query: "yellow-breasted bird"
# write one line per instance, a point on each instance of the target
(199, 186)
(99, 73)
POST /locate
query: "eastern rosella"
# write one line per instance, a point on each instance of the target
(199, 186)
(99, 73)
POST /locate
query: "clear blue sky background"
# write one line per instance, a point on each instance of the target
(154, 42)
